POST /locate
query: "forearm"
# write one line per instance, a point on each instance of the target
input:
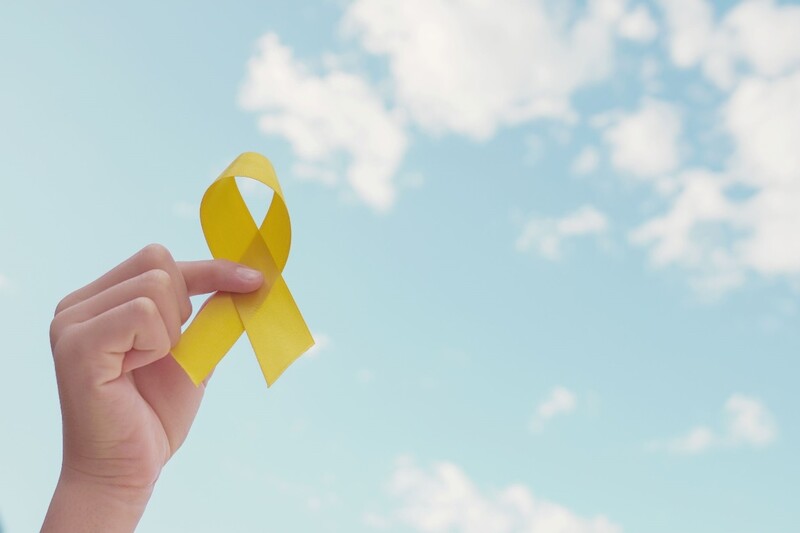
(82, 505)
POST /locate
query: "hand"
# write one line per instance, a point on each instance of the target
(126, 404)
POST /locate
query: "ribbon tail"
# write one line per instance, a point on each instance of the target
(276, 330)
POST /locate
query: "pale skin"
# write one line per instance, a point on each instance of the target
(126, 405)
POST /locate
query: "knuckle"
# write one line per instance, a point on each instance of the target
(68, 342)
(157, 280)
(144, 307)
(64, 304)
(155, 255)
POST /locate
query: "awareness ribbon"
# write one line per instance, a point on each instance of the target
(270, 316)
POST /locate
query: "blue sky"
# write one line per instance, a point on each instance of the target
(548, 251)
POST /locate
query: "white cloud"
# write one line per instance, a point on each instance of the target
(755, 36)
(767, 35)
(763, 118)
(546, 235)
(675, 236)
(748, 422)
(466, 67)
(645, 143)
(5, 283)
(324, 116)
(444, 500)
(696, 441)
(690, 23)
(322, 342)
(561, 401)
(586, 162)
(638, 25)
(719, 235)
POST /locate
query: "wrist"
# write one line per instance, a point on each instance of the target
(85, 503)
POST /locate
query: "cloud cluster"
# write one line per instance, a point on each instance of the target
(726, 222)
(443, 500)
(466, 68)
(459, 67)
(723, 223)
(708, 226)
(748, 422)
(325, 116)
(756, 36)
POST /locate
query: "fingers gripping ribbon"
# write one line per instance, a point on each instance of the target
(270, 316)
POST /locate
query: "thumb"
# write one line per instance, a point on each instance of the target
(202, 277)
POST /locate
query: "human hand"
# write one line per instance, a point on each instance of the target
(126, 404)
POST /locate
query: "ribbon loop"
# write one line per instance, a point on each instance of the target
(269, 316)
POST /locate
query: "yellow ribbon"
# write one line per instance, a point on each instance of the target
(270, 316)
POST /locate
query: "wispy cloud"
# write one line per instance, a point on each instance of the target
(560, 402)
(5, 283)
(747, 422)
(444, 499)
(586, 161)
(546, 235)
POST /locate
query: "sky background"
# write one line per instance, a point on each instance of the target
(548, 251)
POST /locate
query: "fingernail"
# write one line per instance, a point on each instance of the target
(248, 274)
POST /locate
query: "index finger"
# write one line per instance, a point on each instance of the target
(202, 277)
